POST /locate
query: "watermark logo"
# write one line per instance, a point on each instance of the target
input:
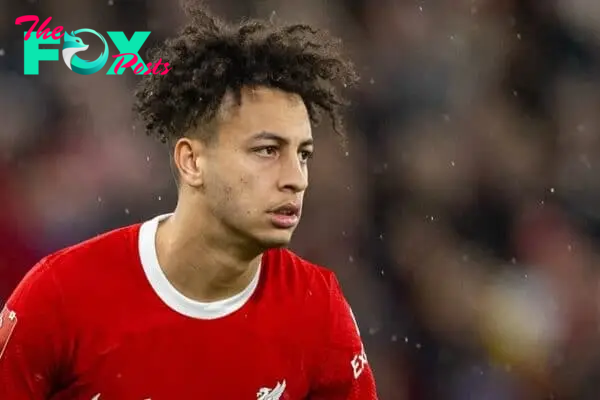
(128, 56)
(73, 45)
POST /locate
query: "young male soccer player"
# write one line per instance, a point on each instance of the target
(203, 303)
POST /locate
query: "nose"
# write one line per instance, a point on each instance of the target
(294, 175)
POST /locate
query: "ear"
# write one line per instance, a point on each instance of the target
(189, 157)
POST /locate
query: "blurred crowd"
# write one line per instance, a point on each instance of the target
(461, 220)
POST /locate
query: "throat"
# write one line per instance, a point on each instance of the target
(211, 283)
(199, 269)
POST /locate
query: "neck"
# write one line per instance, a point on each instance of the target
(201, 260)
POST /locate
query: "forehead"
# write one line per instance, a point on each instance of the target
(265, 110)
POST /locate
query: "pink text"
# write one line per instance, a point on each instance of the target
(55, 34)
(140, 67)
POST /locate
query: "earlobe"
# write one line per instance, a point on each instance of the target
(188, 160)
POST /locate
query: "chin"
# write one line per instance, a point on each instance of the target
(276, 239)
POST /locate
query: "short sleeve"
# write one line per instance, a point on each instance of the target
(32, 348)
(343, 370)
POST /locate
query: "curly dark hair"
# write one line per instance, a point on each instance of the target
(209, 57)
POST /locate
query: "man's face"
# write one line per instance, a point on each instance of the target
(256, 172)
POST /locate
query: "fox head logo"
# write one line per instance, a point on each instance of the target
(73, 45)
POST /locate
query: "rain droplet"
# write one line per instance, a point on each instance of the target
(99, 199)
(111, 2)
(147, 158)
(372, 81)
(405, 339)
(159, 198)
(551, 190)
(382, 272)
(513, 260)
(351, 259)
(381, 236)
(570, 248)
(394, 338)
(2, 52)
(344, 233)
(519, 36)
(127, 211)
(418, 345)
(526, 276)
(421, 8)
(372, 331)
(347, 154)
(515, 93)
(465, 257)
(452, 163)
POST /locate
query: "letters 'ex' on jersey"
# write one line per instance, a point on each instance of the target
(100, 320)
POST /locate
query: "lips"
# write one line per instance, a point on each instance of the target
(289, 209)
(286, 216)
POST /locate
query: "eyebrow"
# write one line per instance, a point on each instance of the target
(278, 138)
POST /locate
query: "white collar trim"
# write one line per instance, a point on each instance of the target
(170, 295)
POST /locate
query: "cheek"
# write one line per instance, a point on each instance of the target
(255, 193)
(235, 191)
(248, 188)
(219, 187)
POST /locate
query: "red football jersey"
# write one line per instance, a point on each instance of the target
(100, 321)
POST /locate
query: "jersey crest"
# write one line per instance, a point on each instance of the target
(271, 394)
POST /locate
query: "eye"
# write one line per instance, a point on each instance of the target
(306, 155)
(266, 151)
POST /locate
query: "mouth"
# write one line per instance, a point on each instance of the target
(289, 209)
(286, 216)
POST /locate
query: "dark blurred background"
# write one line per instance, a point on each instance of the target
(462, 219)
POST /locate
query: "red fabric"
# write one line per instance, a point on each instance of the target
(91, 327)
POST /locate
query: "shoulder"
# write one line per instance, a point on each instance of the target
(291, 279)
(79, 262)
(100, 250)
(50, 302)
(296, 272)
(108, 244)
(317, 292)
